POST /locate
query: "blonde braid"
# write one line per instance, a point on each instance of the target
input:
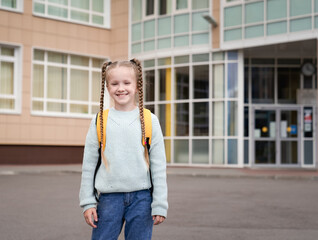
(101, 111)
(141, 106)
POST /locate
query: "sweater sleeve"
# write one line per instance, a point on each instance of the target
(90, 158)
(158, 170)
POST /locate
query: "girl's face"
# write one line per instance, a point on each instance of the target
(122, 87)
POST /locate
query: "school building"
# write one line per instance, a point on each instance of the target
(233, 82)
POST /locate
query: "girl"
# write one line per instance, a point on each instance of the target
(123, 181)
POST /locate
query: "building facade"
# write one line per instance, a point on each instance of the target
(50, 59)
(233, 82)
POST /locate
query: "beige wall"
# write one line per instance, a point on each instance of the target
(216, 30)
(30, 31)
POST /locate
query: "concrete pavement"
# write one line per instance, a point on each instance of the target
(307, 174)
(41, 202)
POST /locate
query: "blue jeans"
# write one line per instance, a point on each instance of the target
(133, 208)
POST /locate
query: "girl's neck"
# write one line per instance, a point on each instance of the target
(124, 108)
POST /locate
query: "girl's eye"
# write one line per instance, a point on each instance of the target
(127, 83)
(113, 84)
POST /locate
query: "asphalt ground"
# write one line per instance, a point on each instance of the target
(38, 205)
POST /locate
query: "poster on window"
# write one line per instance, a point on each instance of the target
(308, 114)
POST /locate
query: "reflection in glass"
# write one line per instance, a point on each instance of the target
(232, 151)
(246, 122)
(201, 119)
(218, 151)
(201, 81)
(164, 84)
(265, 152)
(218, 119)
(181, 151)
(232, 118)
(168, 150)
(308, 152)
(181, 119)
(289, 153)
(246, 85)
(265, 125)
(164, 117)
(308, 122)
(164, 7)
(246, 153)
(200, 151)
(182, 82)
(263, 85)
(232, 88)
(288, 83)
(150, 86)
(149, 7)
(218, 81)
(232, 55)
(288, 121)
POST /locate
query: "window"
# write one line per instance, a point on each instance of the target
(164, 24)
(12, 5)
(164, 6)
(136, 9)
(92, 12)
(10, 90)
(181, 4)
(150, 7)
(196, 99)
(65, 84)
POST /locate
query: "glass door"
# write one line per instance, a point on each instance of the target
(289, 137)
(276, 136)
(265, 137)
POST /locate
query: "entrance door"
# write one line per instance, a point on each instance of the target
(276, 136)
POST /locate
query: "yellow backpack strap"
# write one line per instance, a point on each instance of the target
(105, 116)
(148, 126)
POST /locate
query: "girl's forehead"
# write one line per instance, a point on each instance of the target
(121, 70)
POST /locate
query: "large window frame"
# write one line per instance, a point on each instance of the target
(17, 8)
(40, 103)
(182, 28)
(200, 116)
(291, 25)
(41, 9)
(15, 96)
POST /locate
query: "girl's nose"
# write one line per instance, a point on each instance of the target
(120, 87)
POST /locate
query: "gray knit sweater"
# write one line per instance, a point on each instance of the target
(125, 156)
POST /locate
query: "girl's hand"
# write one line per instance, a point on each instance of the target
(158, 219)
(89, 214)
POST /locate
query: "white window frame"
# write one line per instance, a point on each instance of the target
(19, 7)
(17, 78)
(67, 101)
(239, 137)
(106, 14)
(288, 36)
(188, 49)
(183, 10)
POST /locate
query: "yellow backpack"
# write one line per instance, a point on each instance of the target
(148, 127)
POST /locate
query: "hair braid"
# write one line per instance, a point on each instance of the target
(101, 111)
(141, 106)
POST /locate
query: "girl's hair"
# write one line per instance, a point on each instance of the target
(136, 66)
